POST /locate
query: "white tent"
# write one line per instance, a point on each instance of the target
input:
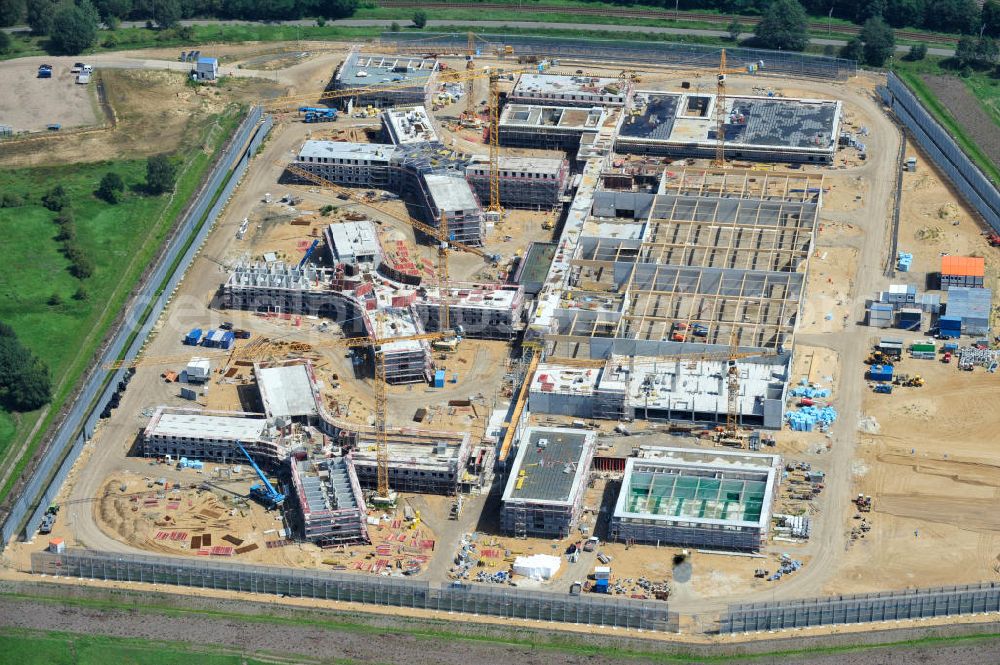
(537, 566)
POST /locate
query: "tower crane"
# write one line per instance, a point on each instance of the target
(495, 208)
(384, 495)
(720, 110)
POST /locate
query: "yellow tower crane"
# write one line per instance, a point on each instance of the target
(720, 110)
(495, 208)
(384, 495)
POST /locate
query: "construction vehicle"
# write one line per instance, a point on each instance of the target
(329, 115)
(264, 493)
(946, 358)
(993, 238)
(863, 503)
(915, 381)
(879, 358)
(308, 253)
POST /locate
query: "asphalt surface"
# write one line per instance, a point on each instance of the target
(598, 27)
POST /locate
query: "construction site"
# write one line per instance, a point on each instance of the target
(576, 328)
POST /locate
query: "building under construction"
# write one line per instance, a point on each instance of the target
(711, 260)
(552, 127)
(214, 435)
(544, 492)
(330, 500)
(482, 311)
(383, 80)
(696, 498)
(423, 462)
(533, 183)
(579, 90)
(756, 128)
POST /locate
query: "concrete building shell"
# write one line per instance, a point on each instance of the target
(696, 498)
(544, 493)
(330, 499)
(381, 80)
(573, 90)
(533, 183)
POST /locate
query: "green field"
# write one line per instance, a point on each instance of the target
(53, 648)
(121, 240)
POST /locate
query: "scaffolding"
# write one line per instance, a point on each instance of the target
(529, 183)
(333, 508)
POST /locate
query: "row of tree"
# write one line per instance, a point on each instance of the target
(43, 15)
(24, 379)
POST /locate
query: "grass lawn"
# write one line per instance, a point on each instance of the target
(55, 648)
(121, 240)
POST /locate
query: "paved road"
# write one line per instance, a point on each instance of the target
(601, 27)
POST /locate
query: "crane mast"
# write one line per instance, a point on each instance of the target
(720, 113)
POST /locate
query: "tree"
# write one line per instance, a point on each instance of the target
(56, 198)
(81, 294)
(5, 42)
(74, 29)
(965, 52)
(394, 27)
(784, 26)
(111, 188)
(735, 29)
(990, 18)
(953, 16)
(82, 267)
(55, 300)
(24, 379)
(11, 200)
(986, 51)
(917, 52)
(160, 174)
(871, 9)
(419, 18)
(879, 41)
(113, 9)
(901, 13)
(972, 52)
(853, 50)
(11, 12)
(39, 15)
(166, 13)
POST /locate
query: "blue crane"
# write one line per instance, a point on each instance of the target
(265, 494)
(308, 253)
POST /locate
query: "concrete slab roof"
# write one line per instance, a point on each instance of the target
(550, 465)
(363, 70)
(311, 151)
(207, 426)
(287, 391)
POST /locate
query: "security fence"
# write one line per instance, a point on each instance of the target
(79, 424)
(620, 50)
(862, 608)
(501, 601)
(971, 183)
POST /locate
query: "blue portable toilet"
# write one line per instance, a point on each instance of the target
(193, 337)
(439, 378)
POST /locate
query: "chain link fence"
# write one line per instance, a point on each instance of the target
(626, 51)
(973, 185)
(500, 601)
(862, 608)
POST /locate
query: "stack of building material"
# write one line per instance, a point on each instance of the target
(537, 566)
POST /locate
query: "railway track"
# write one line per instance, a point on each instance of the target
(625, 12)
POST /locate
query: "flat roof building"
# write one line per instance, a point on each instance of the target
(972, 306)
(287, 390)
(384, 80)
(551, 127)
(353, 243)
(757, 128)
(962, 271)
(431, 463)
(213, 435)
(544, 492)
(534, 183)
(570, 90)
(408, 125)
(696, 498)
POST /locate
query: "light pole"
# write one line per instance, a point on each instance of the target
(829, 22)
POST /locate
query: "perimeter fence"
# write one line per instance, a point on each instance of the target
(500, 601)
(670, 54)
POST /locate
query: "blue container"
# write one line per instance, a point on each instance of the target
(227, 340)
(950, 323)
(439, 378)
(193, 337)
(880, 373)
